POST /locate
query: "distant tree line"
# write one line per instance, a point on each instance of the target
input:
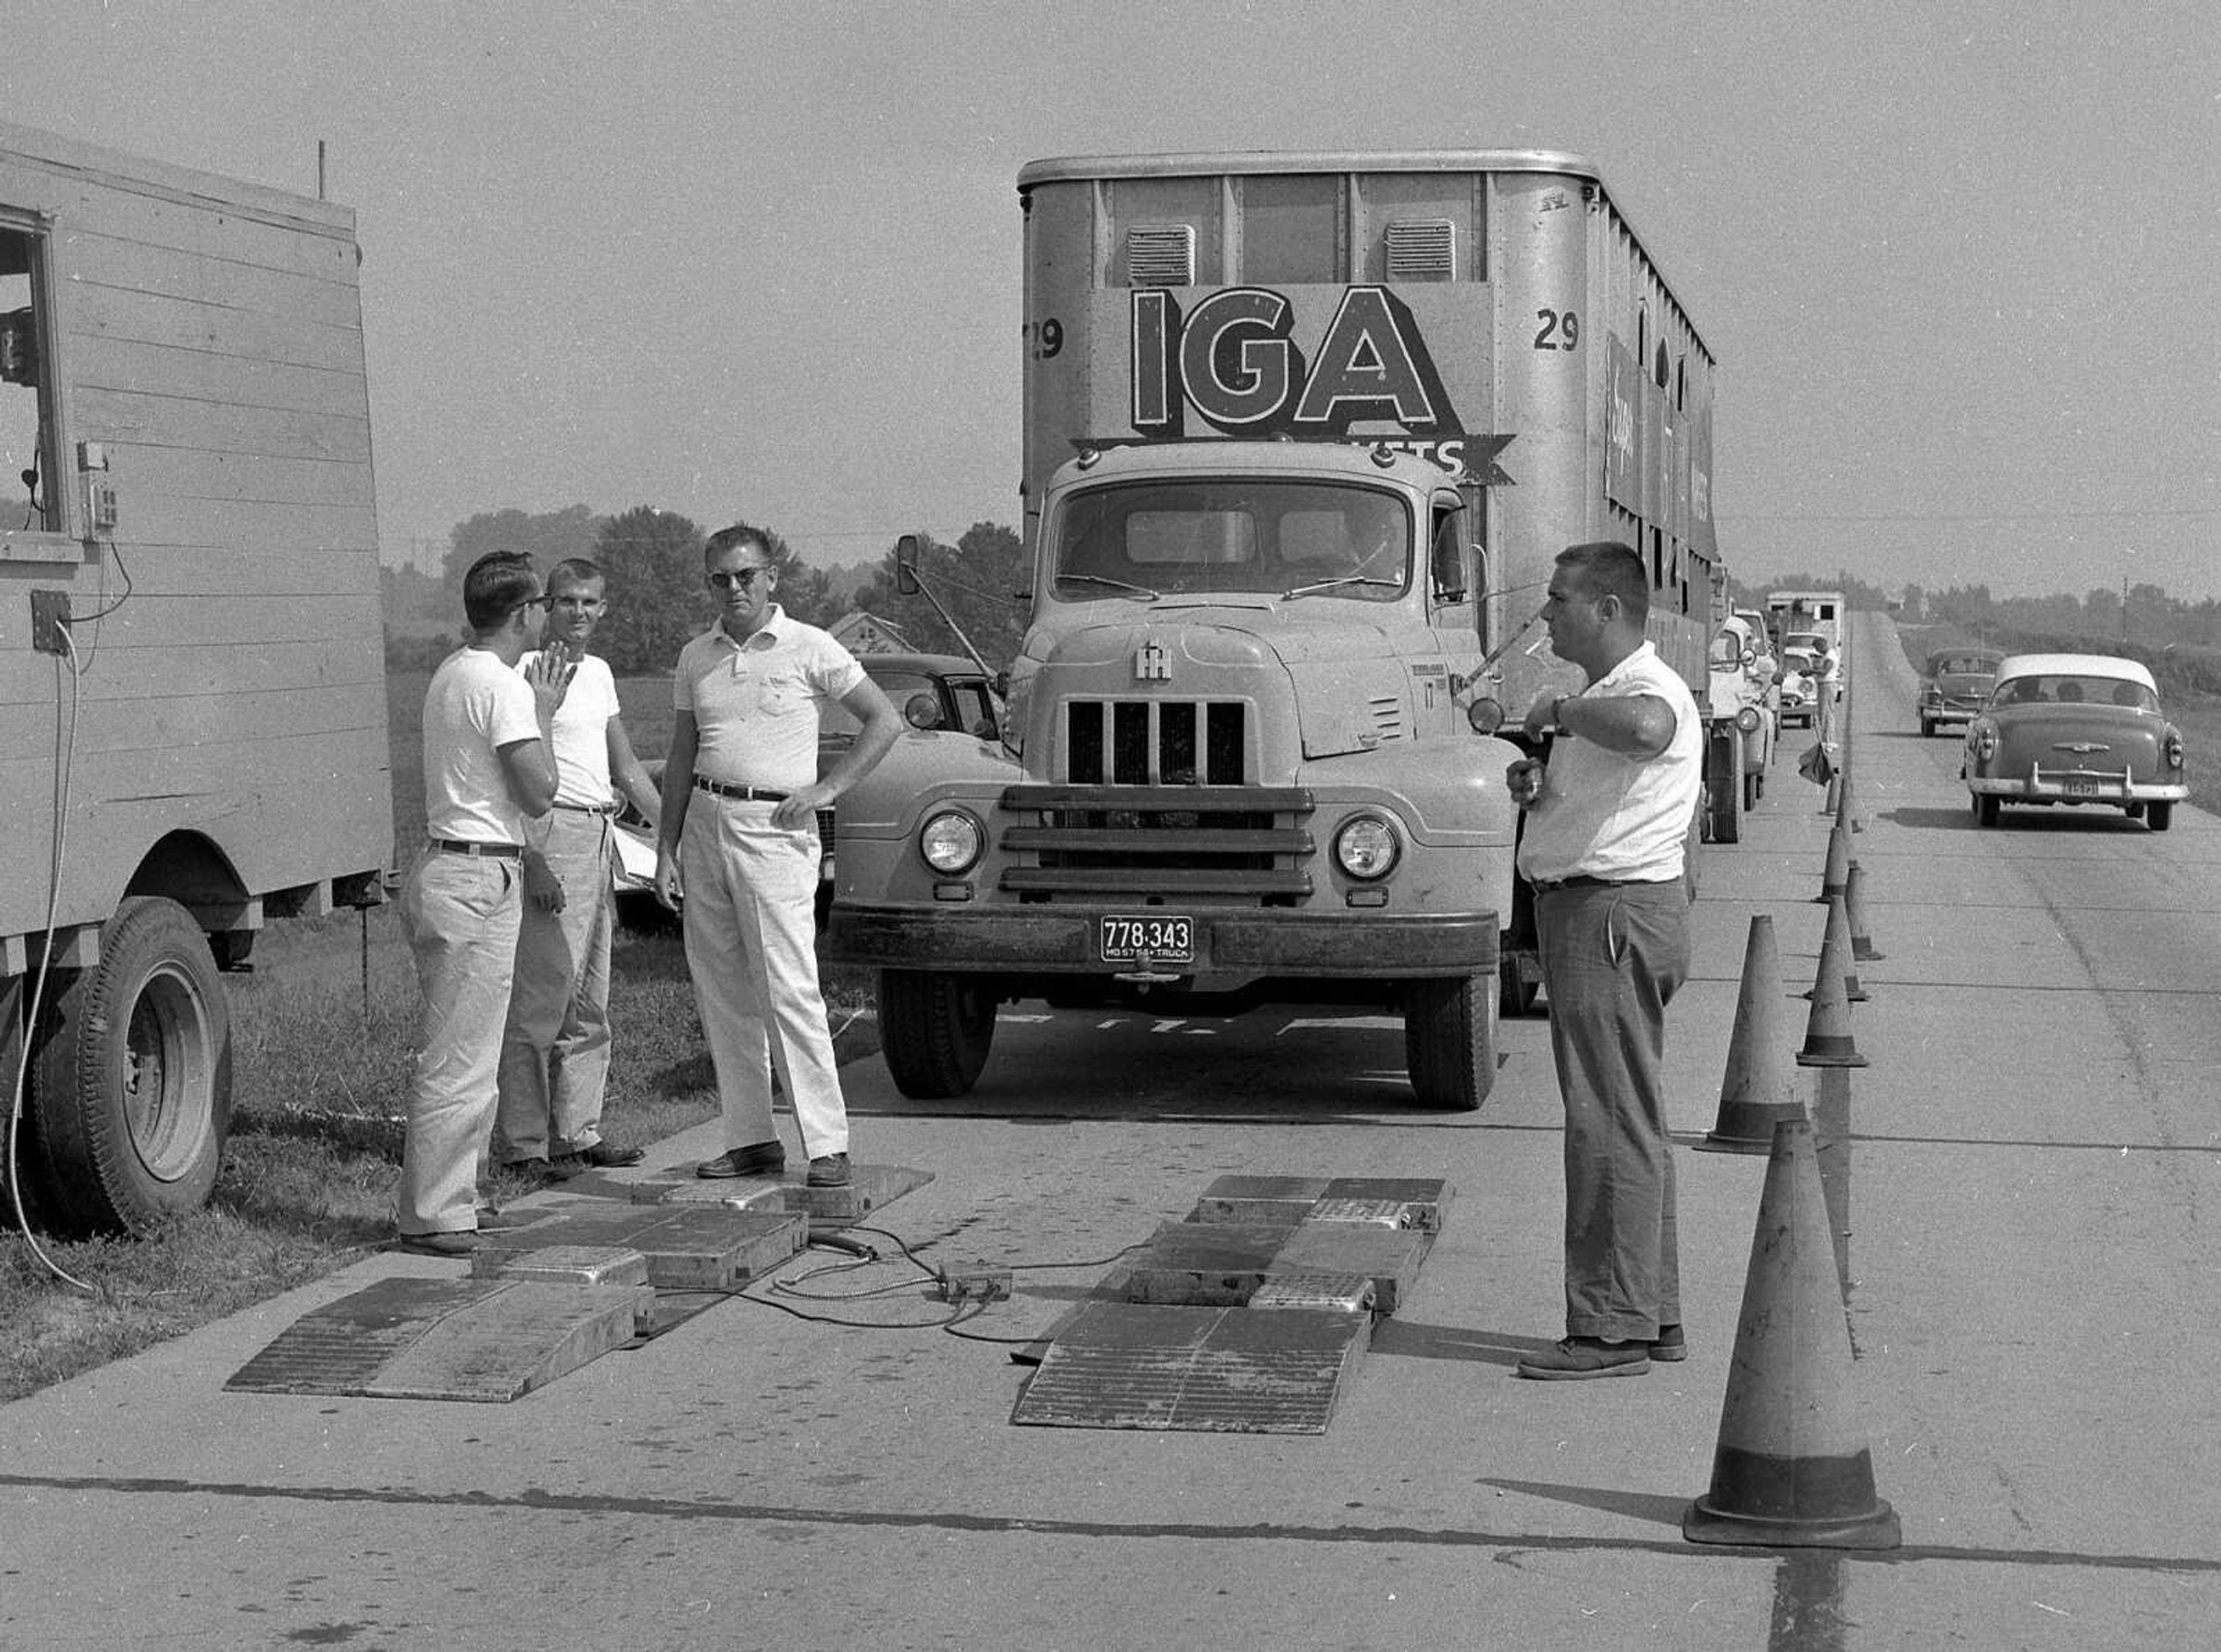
(652, 559)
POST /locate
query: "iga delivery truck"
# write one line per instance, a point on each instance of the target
(191, 665)
(1302, 433)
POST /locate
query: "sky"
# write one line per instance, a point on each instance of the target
(1960, 264)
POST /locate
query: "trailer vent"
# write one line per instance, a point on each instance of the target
(1160, 255)
(1422, 249)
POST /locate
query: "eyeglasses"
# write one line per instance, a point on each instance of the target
(542, 603)
(743, 578)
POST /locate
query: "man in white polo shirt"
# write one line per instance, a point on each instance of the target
(1604, 845)
(555, 1048)
(486, 771)
(739, 840)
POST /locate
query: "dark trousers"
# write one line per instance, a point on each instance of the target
(1612, 958)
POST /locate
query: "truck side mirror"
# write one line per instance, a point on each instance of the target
(906, 565)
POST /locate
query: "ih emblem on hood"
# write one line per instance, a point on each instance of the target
(1152, 663)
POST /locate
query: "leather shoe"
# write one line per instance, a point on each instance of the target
(829, 1170)
(1669, 1345)
(602, 1155)
(458, 1243)
(538, 1173)
(494, 1221)
(1571, 1359)
(757, 1159)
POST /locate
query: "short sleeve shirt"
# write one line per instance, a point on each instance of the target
(1603, 814)
(474, 706)
(755, 703)
(581, 732)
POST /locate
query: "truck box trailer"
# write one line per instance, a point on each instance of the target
(191, 663)
(1303, 435)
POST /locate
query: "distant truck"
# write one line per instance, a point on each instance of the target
(1303, 436)
(1823, 613)
(192, 667)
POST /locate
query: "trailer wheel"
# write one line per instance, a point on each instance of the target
(132, 1093)
(936, 1029)
(1449, 1040)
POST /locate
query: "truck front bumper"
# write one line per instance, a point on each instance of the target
(1067, 938)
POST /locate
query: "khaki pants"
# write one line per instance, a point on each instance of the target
(461, 913)
(555, 1048)
(752, 947)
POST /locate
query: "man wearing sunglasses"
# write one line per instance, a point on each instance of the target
(738, 839)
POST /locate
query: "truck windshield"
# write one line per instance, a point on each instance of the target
(1143, 540)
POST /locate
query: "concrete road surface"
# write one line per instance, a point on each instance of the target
(2036, 1220)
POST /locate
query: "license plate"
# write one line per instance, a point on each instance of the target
(2078, 788)
(1127, 938)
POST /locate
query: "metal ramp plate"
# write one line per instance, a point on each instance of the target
(869, 1187)
(1120, 1365)
(446, 1339)
(1204, 1265)
(688, 1248)
(1399, 1201)
(1390, 1257)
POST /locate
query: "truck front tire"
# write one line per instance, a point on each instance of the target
(1449, 1040)
(936, 1029)
(131, 1094)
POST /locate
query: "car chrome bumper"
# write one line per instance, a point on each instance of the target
(2077, 788)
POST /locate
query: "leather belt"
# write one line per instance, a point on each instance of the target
(589, 808)
(1582, 880)
(459, 846)
(745, 793)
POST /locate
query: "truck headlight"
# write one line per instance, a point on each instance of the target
(1747, 719)
(1367, 847)
(1484, 715)
(951, 841)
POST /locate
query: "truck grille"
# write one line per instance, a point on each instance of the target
(1157, 742)
(1253, 842)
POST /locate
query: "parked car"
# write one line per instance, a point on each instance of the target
(1742, 686)
(1798, 694)
(1955, 684)
(2074, 729)
(934, 693)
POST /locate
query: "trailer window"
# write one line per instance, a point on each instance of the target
(29, 483)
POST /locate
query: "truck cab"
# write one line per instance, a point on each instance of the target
(1250, 758)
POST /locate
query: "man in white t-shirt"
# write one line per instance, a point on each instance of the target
(1604, 843)
(487, 770)
(741, 797)
(555, 1048)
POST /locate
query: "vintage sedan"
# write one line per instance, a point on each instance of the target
(2074, 729)
(1799, 692)
(1955, 684)
(940, 692)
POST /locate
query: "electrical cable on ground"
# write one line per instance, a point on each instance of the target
(65, 766)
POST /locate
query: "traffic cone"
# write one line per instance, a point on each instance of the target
(1839, 871)
(1854, 911)
(1837, 935)
(1791, 1468)
(1846, 805)
(1756, 1094)
(1828, 1029)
